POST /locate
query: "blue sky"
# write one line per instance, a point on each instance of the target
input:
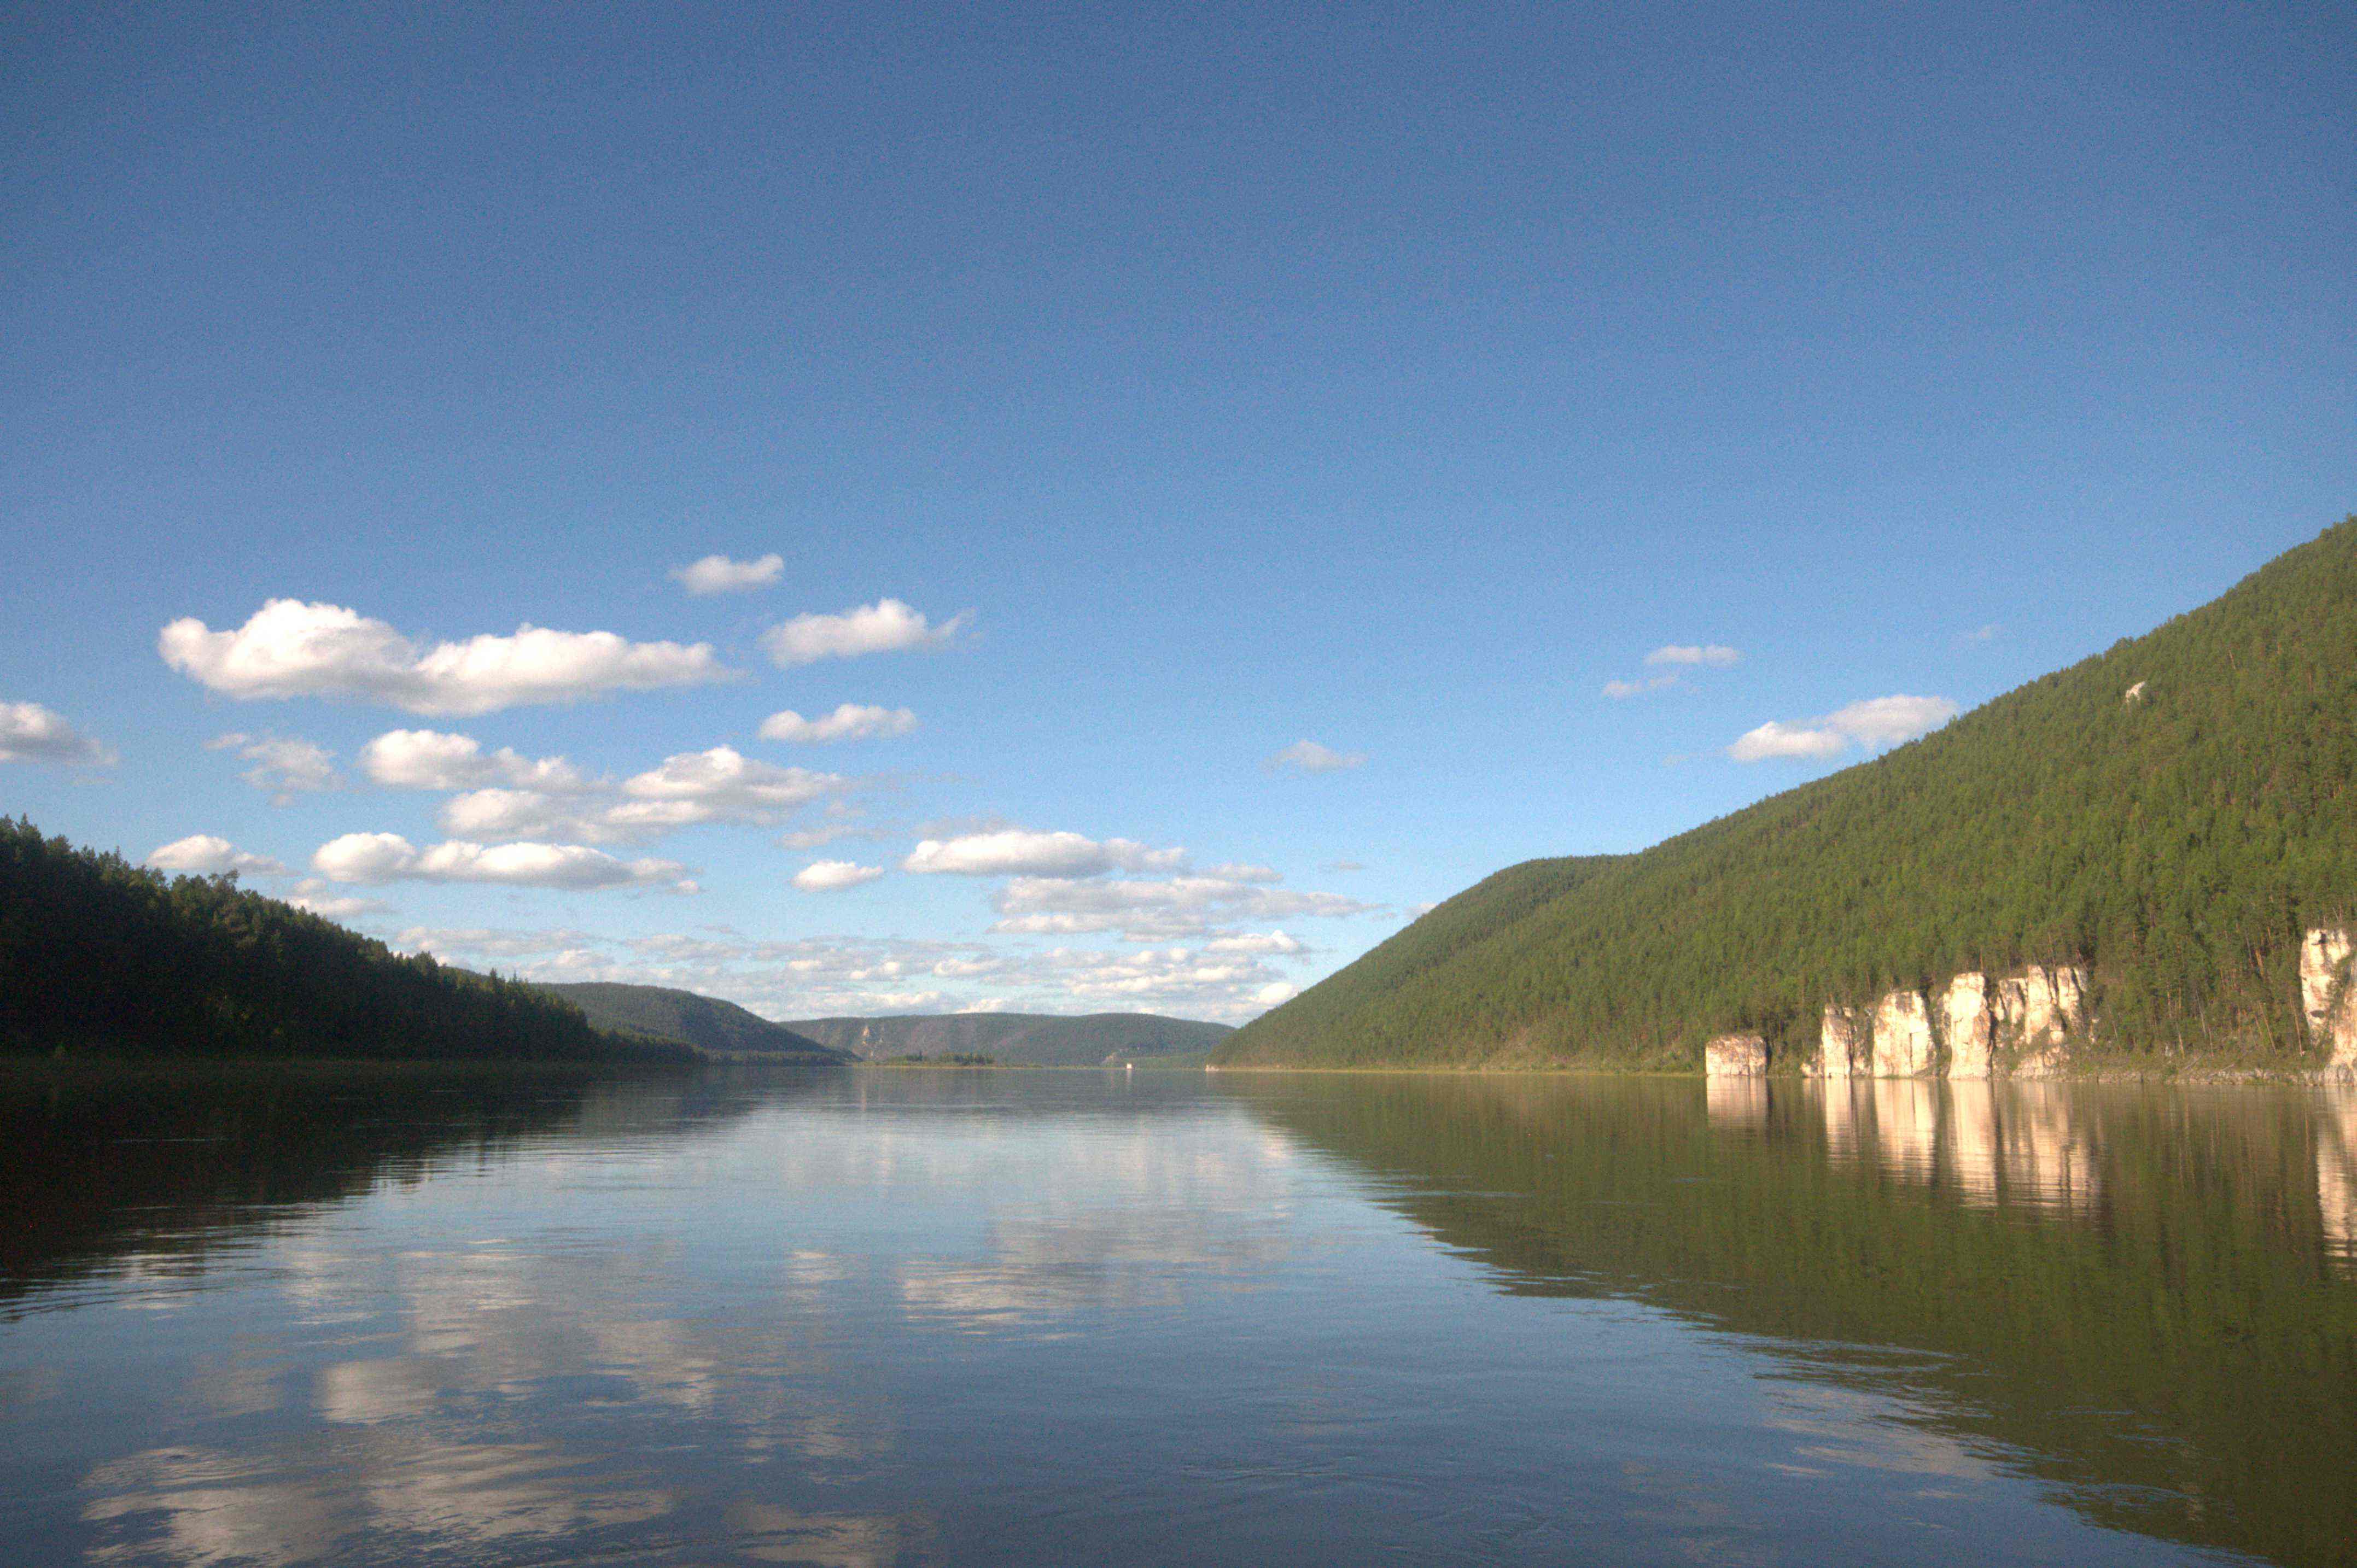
(1394, 379)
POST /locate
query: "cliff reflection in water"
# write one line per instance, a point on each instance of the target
(2146, 1296)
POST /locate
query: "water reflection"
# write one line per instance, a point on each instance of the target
(197, 1506)
(1738, 1101)
(1981, 1140)
(148, 1176)
(1906, 1124)
(2336, 1173)
(2135, 1295)
(769, 1534)
(871, 1318)
(1972, 1142)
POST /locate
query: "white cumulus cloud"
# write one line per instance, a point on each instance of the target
(291, 648)
(1257, 942)
(1889, 721)
(1775, 738)
(830, 875)
(364, 857)
(1015, 851)
(434, 759)
(886, 626)
(719, 575)
(851, 721)
(1149, 910)
(1156, 978)
(207, 854)
(389, 857)
(823, 976)
(283, 767)
(1874, 722)
(721, 785)
(312, 894)
(831, 832)
(524, 814)
(1717, 656)
(695, 788)
(1309, 756)
(32, 733)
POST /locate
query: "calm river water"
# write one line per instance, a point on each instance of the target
(868, 1317)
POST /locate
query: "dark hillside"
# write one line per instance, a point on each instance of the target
(98, 955)
(661, 1013)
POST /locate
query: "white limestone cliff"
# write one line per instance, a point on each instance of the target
(1844, 1043)
(2327, 998)
(1973, 1027)
(1735, 1056)
(1902, 1035)
(1965, 1027)
(2039, 1007)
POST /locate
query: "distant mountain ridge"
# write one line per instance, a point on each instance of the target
(662, 1013)
(2172, 814)
(1028, 1039)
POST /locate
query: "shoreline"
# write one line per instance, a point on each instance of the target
(2190, 1075)
(27, 1066)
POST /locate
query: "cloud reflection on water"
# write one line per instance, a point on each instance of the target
(474, 1359)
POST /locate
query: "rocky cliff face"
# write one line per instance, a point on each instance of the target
(2327, 998)
(1973, 1026)
(1965, 1027)
(2037, 1006)
(1844, 1043)
(1735, 1056)
(1902, 1035)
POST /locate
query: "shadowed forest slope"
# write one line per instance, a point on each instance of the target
(101, 956)
(662, 1013)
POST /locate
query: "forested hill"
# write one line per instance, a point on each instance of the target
(2178, 840)
(101, 956)
(661, 1013)
(1030, 1039)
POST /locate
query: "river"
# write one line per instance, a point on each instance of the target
(865, 1318)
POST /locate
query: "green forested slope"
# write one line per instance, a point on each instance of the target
(1028, 1039)
(662, 1013)
(2180, 844)
(98, 955)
